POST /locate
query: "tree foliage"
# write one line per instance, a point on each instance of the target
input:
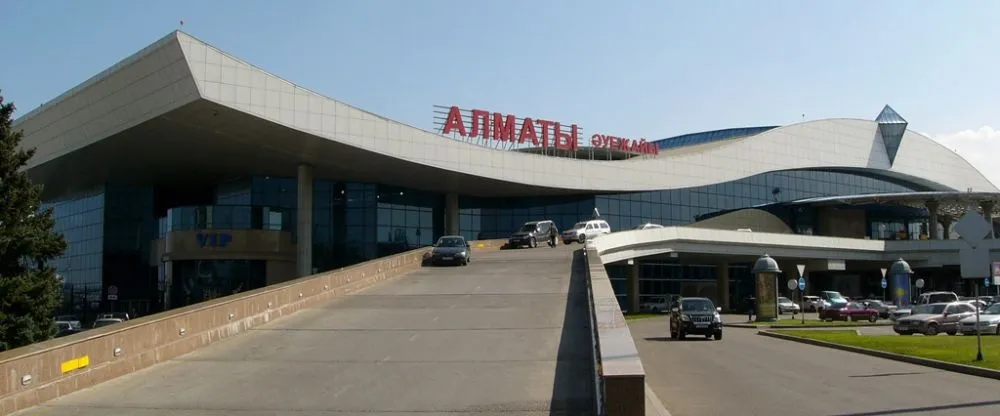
(29, 289)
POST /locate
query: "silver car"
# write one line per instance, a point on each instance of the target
(934, 318)
(989, 322)
(785, 305)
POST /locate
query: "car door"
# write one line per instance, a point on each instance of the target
(954, 313)
(591, 230)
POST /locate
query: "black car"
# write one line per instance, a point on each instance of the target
(451, 249)
(695, 316)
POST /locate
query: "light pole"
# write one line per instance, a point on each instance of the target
(766, 270)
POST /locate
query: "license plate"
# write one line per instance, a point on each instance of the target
(447, 258)
(701, 324)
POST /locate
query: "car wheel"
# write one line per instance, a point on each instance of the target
(582, 239)
(932, 330)
(718, 336)
(533, 243)
(872, 318)
(905, 333)
(952, 333)
(680, 334)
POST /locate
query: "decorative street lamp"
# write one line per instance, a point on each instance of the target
(765, 271)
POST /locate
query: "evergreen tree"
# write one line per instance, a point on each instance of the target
(29, 289)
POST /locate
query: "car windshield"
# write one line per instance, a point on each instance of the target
(784, 300)
(874, 303)
(697, 305)
(529, 227)
(104, 322)
(451, 242)
(993, 310)
(929, 309)
(579, 225)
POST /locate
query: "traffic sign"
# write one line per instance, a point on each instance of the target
(792, 284)
(802, 284)
(112, 292)
(919, 283)
(884, 283)
(975, 256)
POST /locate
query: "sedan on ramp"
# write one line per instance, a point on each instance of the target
(451, 249)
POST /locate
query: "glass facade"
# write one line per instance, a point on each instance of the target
(80, 219)
(109, 230)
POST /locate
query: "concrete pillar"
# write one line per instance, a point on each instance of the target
(722, 285)
(451, 214)
(987, 207)
(304, 240)
(633, 288)
(932, 222)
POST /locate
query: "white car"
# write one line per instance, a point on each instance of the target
(648, 226)
(989, 322)
(585, 230)
(786, 305)
(815, 303)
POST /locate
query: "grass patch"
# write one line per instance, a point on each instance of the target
(808, 322)
(636, 316)
(955, 349)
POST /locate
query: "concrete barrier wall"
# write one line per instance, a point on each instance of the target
(621, 378)
(37, 373)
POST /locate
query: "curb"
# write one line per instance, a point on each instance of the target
(927, 362)
(861, 325)
(654, 407)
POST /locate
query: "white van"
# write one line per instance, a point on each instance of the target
(584, 230)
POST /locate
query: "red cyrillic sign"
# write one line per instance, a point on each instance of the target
(624, 144)
(503, 127)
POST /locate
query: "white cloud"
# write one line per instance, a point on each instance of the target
(980, 147)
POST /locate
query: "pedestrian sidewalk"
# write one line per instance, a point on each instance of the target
(653, 405)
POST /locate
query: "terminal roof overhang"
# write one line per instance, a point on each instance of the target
(181, 110)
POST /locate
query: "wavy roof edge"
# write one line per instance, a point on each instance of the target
(690, 139)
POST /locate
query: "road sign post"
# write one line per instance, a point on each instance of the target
(112, 296)
(975, 255)
(802, 290)
(885, 284)
(792, 285)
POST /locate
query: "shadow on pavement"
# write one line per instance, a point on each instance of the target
(573, 390)
(923, 409)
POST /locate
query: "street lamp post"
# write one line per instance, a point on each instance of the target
(765, 271)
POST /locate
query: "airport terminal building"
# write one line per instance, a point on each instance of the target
(183, 173)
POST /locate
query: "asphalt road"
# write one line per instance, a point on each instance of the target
(748, 374)
(486, 339)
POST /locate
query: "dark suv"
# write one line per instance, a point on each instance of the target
(695, 316)
(530, 234)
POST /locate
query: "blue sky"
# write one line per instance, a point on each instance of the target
(649, 69)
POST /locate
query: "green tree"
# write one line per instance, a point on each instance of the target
(29, 289)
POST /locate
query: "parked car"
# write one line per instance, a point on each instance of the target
(451, 249)
(989, 322)
(785, 305)
(107, 321)
(934, 318)
(884, 309)
(648, 226)
(655, 305)
(850, 311)
(584, 230)
(530, 234)
(695, 316)
(900, 313)
(64, 328)
(815, 303)
(928, 298)
(833, 298)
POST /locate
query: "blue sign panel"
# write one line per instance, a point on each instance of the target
(884, 283)
(214, 240)
(901, 289)
(802, 284)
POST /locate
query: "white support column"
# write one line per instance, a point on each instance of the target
(451, 214)
(303, 245)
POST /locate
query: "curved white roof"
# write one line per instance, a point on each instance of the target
(180, 70)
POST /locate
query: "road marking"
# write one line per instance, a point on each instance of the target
(414, 336)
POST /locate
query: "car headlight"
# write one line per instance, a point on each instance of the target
(685, 318)
(462, 254)
(718, 318)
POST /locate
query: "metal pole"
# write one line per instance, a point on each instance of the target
(802, 305)
(979, 333)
